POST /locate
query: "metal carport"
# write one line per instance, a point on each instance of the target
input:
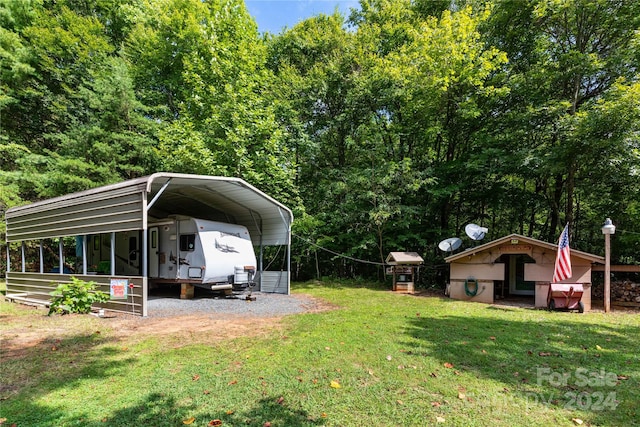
(130, 205)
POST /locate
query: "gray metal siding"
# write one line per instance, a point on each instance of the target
(275, 282)
(91, 214)
(36, 286)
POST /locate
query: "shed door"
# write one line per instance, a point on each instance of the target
(154, 253)
(517, 284)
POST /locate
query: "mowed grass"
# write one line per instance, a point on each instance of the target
(379, 358)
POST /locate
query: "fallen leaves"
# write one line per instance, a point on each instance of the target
(462, 393)
(448, 365)
(335, 384)
(189, 421)
(577, 421)
(214, 423)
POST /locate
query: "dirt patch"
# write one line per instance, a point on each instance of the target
(194, 329)
(31, 328)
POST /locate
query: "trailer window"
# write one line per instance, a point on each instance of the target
(187, 242)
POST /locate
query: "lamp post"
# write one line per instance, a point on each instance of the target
(607, 229)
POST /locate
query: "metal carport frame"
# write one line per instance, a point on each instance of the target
(128, 206)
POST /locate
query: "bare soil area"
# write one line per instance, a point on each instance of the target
(30, 327)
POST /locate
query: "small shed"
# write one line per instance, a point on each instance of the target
(514, 265)
(404, 268)
(114, 222)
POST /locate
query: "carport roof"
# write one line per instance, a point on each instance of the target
(220, 198)
(201, 196)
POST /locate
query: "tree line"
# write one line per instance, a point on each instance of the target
(385, 130)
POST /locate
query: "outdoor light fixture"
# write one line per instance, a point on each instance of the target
(607, 229)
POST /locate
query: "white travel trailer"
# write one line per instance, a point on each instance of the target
(210, 254)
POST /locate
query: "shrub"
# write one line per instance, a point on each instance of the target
(75, 297)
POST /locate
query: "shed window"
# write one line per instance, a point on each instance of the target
(187, 242)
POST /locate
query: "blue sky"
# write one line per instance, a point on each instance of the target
(274, 15)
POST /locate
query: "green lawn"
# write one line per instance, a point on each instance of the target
(379, 359)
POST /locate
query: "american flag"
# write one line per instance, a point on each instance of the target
(563, 260)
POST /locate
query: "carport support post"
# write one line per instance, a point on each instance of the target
(61, 255)
(84, 254)
(112, 258)
(41, 256)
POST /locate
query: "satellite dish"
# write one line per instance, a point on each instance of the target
(475, 232)
(450, 244)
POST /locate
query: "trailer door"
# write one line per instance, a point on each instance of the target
(154, 253)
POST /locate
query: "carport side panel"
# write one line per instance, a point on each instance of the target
(276, 282)
(37, 286)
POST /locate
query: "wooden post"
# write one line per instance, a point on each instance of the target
(607, 273)
(186, 291)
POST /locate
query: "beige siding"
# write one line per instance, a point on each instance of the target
(538, 272)
(544, 272)
(484, 294)
(478, 271)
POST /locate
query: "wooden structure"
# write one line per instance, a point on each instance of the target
(514, 265)
(404, 268)
(110, 227)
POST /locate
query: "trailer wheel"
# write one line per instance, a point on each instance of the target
(580, 307)
(552, 304)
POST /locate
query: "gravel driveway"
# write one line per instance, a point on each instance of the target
(265, 305)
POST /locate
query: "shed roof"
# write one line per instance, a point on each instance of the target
(121, 206)
(395, 258)
(521, 240)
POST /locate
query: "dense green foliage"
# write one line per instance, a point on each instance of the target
(75, 297)
(386, 130)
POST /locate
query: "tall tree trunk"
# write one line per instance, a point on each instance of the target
(555, 205)
(570, 192)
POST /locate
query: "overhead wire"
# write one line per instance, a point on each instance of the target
(363, 261)
(630, 232)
